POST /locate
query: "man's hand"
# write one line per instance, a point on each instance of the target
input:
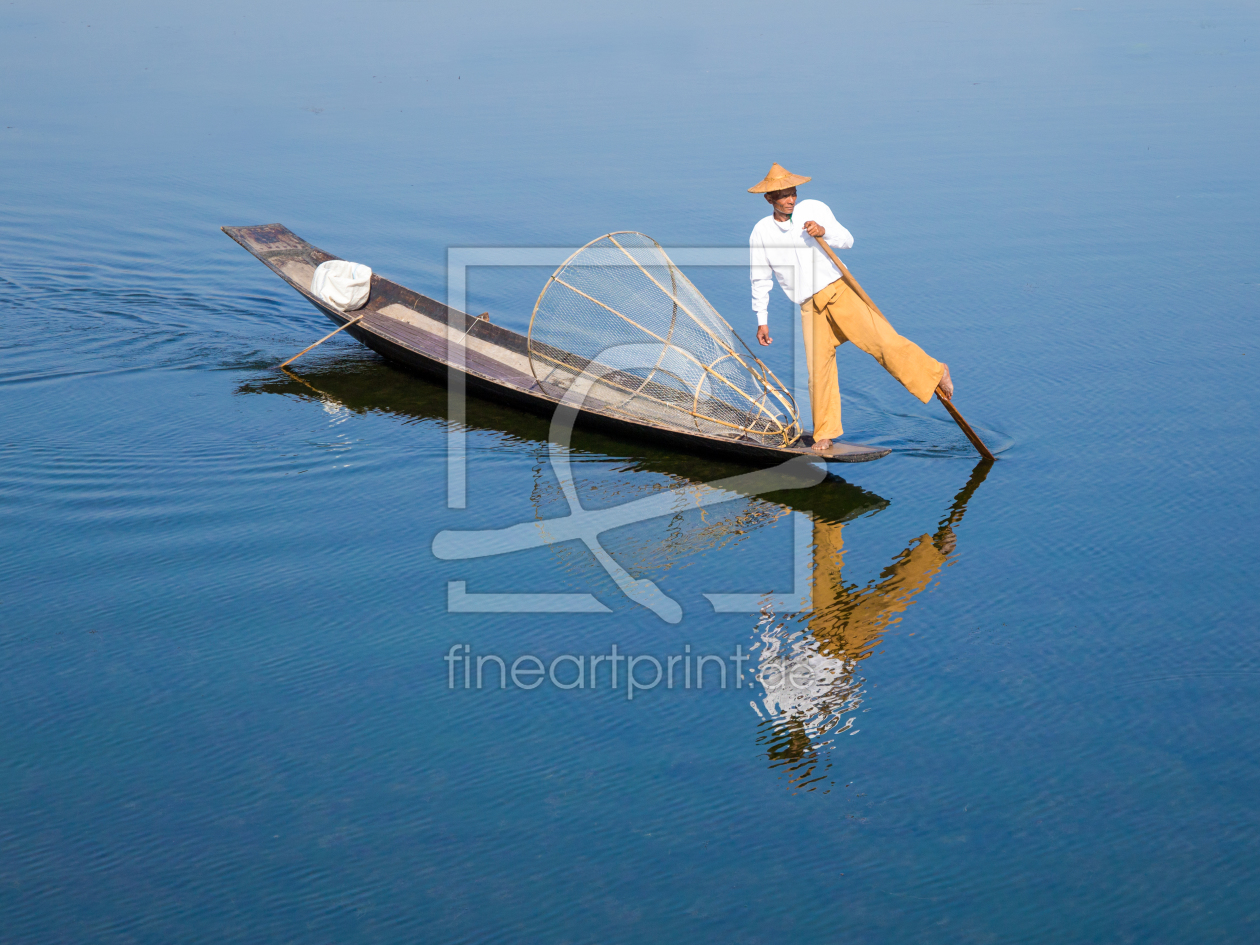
(814, 230)
(947, 384)
(763, 334)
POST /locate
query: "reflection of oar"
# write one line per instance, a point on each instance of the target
(944, 537)
(322, 396)
(861, 293)
(353, 321)
(959, 508)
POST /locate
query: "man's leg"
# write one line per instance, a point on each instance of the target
(824, 385)
(852, 320)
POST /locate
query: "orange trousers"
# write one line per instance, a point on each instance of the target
(835, 315)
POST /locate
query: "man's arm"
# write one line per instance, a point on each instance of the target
(762, 282)
(837, 235)
(825, 225)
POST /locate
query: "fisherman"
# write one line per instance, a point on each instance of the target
(831, 312)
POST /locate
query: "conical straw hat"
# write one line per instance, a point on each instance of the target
(779, 178)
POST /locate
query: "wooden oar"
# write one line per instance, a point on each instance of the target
(940, 394)
(353, 321)
(965, 426)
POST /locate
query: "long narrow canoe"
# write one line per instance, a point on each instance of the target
(420, 333)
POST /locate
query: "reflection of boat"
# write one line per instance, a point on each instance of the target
(436, 340)
(703, 487)
(366, 385)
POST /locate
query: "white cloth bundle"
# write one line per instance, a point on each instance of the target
(343, 285)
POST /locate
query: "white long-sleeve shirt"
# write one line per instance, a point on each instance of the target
(786, 252)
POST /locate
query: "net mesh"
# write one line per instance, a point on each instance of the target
(645, 344)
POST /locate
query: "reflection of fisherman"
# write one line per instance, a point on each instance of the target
(814, 678)
(831, 313)
(809, 679)
(850, 621)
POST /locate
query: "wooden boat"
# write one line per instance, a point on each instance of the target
(419, 333)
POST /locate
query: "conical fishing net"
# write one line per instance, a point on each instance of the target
(620, 316)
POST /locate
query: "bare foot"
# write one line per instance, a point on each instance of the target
(821, 446)
(947, 384)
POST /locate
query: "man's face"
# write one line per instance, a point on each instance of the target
(783, 201)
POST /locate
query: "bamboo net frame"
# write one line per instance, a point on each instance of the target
(690, 370)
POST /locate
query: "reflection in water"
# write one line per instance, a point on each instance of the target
(360, 382)
(808, 664)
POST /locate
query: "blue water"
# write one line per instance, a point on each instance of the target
(226, 711)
